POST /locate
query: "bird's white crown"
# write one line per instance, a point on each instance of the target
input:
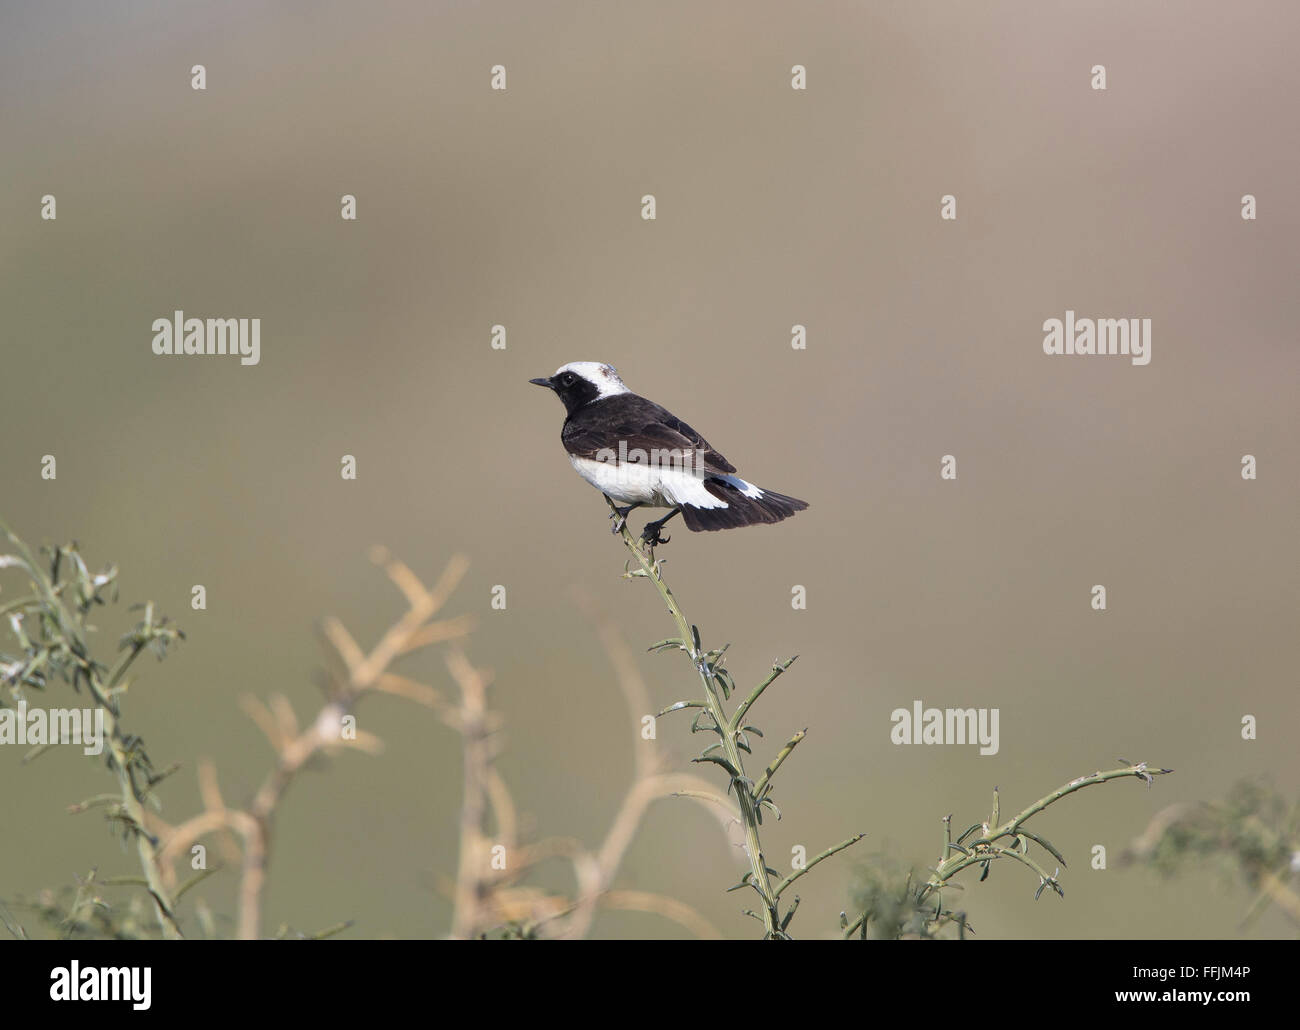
(603, 377)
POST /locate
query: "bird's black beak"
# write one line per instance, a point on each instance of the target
(543, 382)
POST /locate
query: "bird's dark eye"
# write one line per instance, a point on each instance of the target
(568, 379)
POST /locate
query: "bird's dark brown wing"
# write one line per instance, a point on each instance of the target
(643, 425)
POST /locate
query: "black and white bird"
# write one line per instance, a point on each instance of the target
(642, 455)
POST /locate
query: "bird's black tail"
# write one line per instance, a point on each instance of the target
(741, 510)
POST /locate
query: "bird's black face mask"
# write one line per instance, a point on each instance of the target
(573, 390)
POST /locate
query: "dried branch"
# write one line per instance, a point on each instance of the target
(485, 898)
(294, 748)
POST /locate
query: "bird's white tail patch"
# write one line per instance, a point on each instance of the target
(748, 489)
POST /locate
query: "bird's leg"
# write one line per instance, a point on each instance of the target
(619, 515)
(650, 535)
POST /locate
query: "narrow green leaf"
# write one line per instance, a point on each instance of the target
(717, 760)
(195, 880)
(330, 931)
(678, 706)
(1046, 845)
(125, 881)
(794, 907)
(36, 753)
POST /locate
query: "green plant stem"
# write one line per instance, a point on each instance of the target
(132, 808)
(983, 848)
(780, 887)
(748, 807)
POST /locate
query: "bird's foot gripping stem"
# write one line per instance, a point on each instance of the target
(650, 536)
(619, 515)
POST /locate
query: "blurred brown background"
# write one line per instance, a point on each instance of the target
(775, 207)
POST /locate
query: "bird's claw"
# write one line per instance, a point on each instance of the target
(651, 536)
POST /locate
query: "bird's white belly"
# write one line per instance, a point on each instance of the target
(655, 486)
(626, 483)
